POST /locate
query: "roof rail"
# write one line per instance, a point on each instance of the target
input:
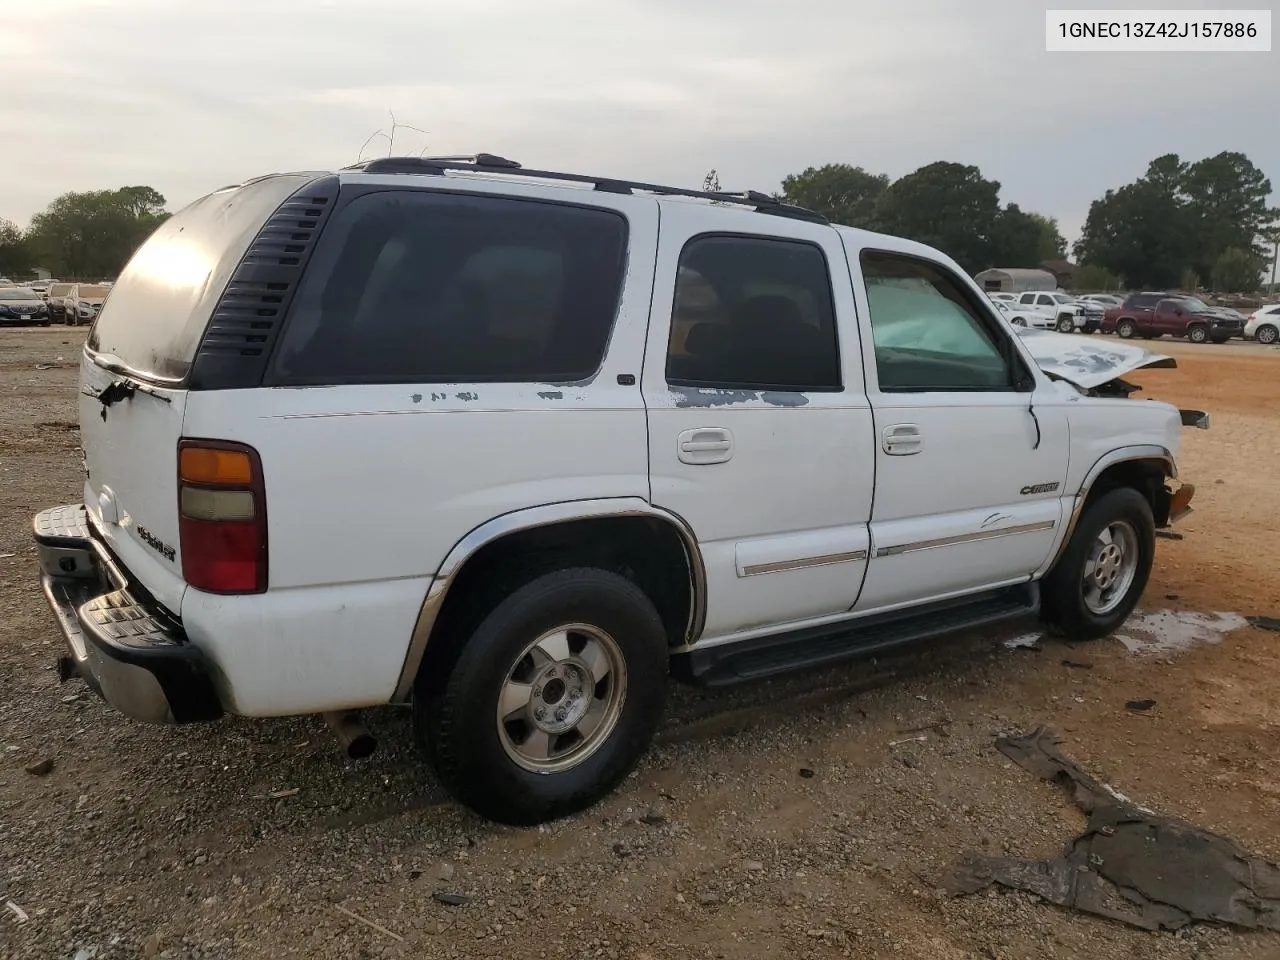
(490, 163)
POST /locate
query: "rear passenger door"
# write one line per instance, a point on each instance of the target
(972, 447)
(759, 427)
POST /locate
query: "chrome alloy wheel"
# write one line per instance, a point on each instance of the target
(1111, 567)
(562, 698)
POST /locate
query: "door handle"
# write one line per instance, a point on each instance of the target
(705, 445)
(901, 439)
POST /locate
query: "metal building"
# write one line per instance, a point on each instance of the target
(1015, 280)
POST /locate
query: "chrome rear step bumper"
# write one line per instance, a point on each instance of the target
(120, 641)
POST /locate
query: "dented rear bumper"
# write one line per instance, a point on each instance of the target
(120, 641)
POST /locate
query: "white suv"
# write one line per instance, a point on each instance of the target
(512, 447)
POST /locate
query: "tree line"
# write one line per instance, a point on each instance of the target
(1185, 224)
(82, 235)
(950, 206)
(1181, 224)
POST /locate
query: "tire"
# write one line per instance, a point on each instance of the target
(1266, 334)
(1125, 329)
(1198, 333)
(496, 768)
(1076, 612)
(1018, 322)
(1066, 324)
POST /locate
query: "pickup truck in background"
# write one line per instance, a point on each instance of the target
(1067, 313)
(1151, 315)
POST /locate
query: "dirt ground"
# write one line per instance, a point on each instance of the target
(813, 817)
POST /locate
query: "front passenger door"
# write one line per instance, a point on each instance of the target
(972, 445)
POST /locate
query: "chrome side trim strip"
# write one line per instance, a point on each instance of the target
(778, 566)
(542, 516)
(965, 538)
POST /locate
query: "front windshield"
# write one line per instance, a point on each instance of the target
(1194, 304)
(1062, 298)
(19, 293)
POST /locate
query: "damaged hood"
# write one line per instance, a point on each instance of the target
(1087, 362)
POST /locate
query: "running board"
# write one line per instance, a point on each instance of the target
(730, 663)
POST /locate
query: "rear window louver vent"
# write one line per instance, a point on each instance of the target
(246, 321)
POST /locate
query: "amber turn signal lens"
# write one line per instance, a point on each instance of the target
(215, 467)
(1181, 499)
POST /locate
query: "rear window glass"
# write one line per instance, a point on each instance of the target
(416, 287)
(152, 322)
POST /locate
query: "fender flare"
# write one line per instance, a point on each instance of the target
(1109, 459)
(531, 518)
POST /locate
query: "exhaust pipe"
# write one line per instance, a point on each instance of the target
(357, 742)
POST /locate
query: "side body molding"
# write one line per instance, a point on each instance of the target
(1119, 455)
(543, 516)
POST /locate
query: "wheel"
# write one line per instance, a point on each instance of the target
(1198, 334)
(1101, 575)
(1019, 322)
(1266, 334)
(1125, 329)
(553, 699)
(1066, 324)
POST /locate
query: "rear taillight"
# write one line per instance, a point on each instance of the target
(222, 516)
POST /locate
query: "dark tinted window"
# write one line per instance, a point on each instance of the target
(753, 313)
(928, 333)
(1143, 300)
(419, 287)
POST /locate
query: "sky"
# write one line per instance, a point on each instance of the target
(191, 97)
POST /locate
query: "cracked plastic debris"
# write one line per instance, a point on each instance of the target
(1130, 864)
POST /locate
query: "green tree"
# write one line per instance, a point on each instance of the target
(1189, 281)
(840, 192)
(1236, 271)
(1139, 231)
(15, 253)
(1015, 239)
(90, 235)
(1091, 278)
(1179, 216)
(1226, 199)
(950, 206)
(1052, 245)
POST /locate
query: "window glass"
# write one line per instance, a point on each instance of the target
(753, 313)
(417, 287)
(1028, 298)
(1045, 301)
(927, 335)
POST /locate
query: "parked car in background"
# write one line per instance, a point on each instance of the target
(55, 297)
(39, 286)
(1263, 324)
(1152, 315)
(82, 304)
(22, 305)
(1008, 297)
(1104, 300)
(1067, 313)
(1016, 316)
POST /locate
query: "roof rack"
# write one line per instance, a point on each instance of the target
(490, 163)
